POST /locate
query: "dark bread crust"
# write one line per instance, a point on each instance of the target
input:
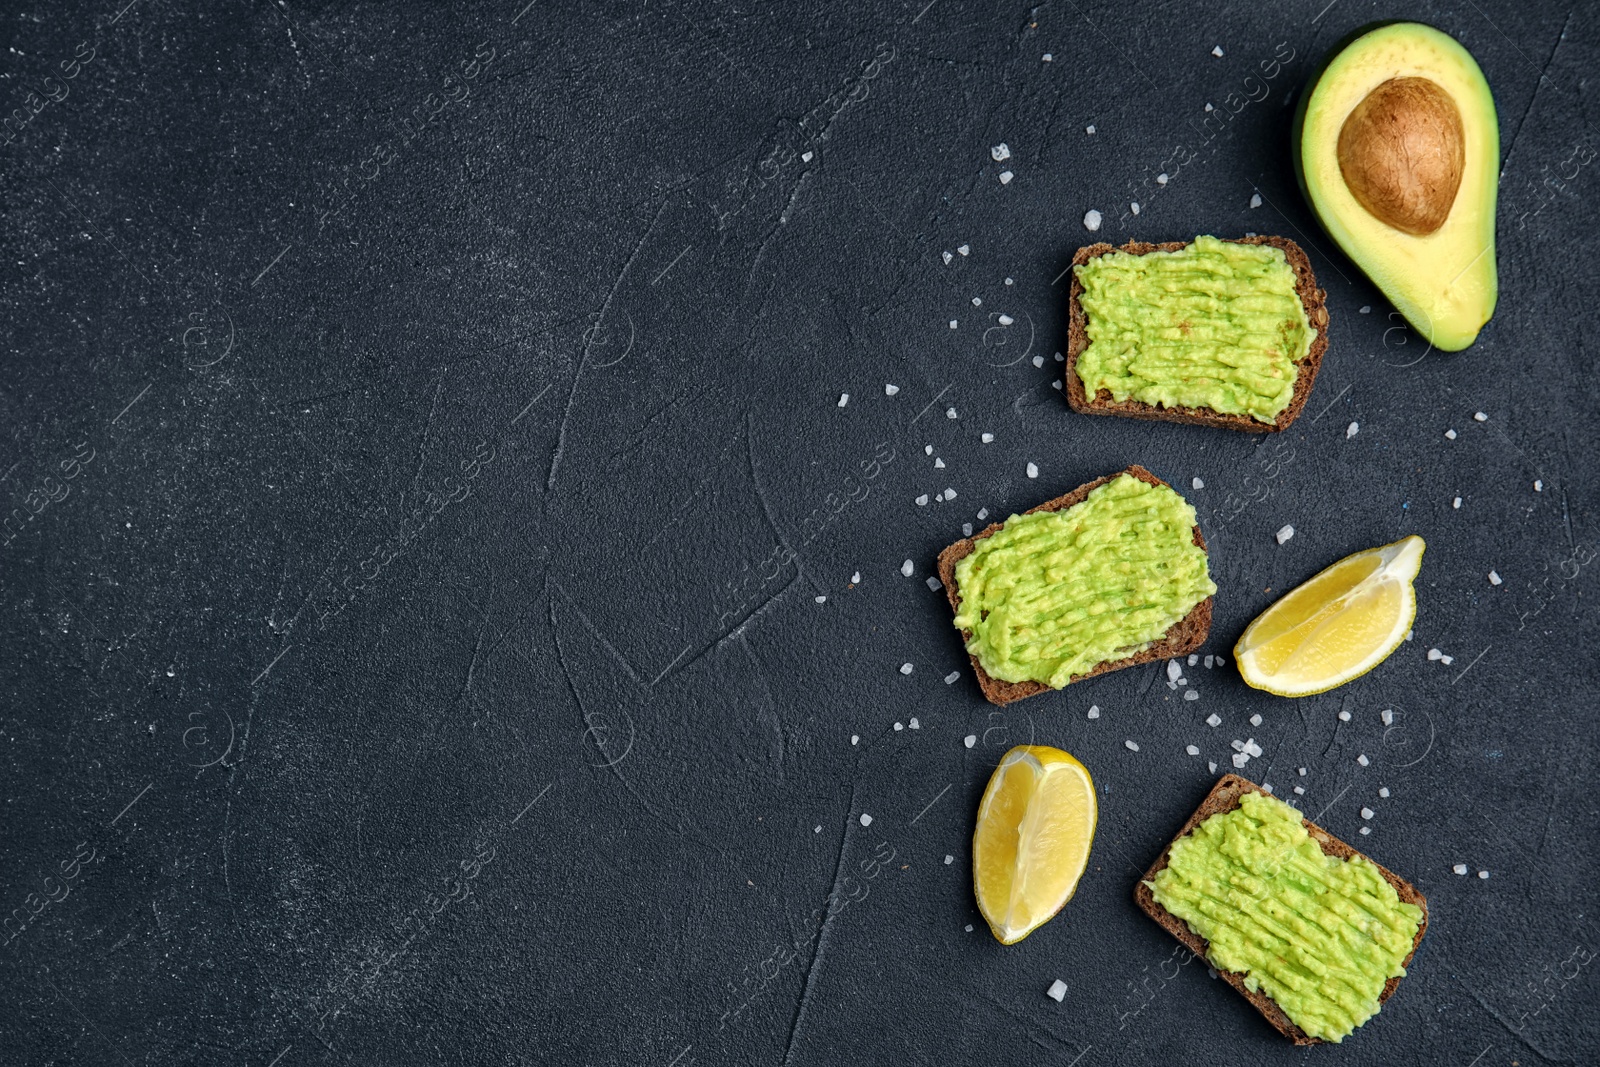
(1313, 298)
(1224, 797)
(1186, 635)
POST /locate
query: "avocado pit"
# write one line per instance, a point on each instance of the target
(1402, 151)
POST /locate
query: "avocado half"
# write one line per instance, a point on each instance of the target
(1397, 148)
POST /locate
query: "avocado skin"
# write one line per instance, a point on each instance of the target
(1454, 337)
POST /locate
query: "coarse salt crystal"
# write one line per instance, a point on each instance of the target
(1387, 715)
(1091, 218)
(951, 677)
(1284, 534)
(1217, 51)
(822, 600)
(965, 250)
(1171, 684)
(1362, 759)
(927, 450)
(1056, 384)
(907, 567)
(1479, 416)
(1255, 200)
(1251, 747)
(1163, 178)
(1447, 660)
(1094, 711)
(987, 438)
(1134, 207)
(1366, 309)
(952, 324)
(1299, 790)
(906, 668)
(938, 464)
(1255, 720)
(1266, 787)
(866, 820)
(1131, 746)
(1000, 152)
(1367, 813)
(1213, 719)
(947, 258)
(977, 301)
(1241, 758)
(890, 390)
(983, 513)
(817, 829)
(1057, 991)
(1450, 435)
(1038, 361)
(914, 724)
(1366, 830)
(806, 157)
(935, 584)
(1191, 695)
(1538, 485)
(1351, 430)
(1460, 868)
(1005, 320)
(898, 727)
(1047, 57)
(948, 860)
(949, 493)
(1009, 281)
(1212, 766)
(940, 498)
(1005, 177)
(1198, 484)
(1193, 750)
(1221, 661)
(1193, 659)
(970, 740)
(855, 579)
(844, 398)
(855, 738)
(1174, 670)
(1434, 653)
(922, 500)
(1033, 470)
(1302, 772)
(1384, 792)
(966, 529)
(1344, 716)
(1483, 874)
(950, 413)
(1088, 129)
(1456, 503)
(1238, 745)
(1494, 578)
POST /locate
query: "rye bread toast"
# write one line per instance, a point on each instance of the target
(1185, 635)
(1312, 298)
(1224, 797)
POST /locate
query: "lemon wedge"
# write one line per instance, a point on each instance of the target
(1335, 627)
(1035, 825)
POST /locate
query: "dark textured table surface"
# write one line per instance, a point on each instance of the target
(453, 616)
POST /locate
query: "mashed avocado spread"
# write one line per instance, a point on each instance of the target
(1213, 325)
(1318, 934)
(1054, 593)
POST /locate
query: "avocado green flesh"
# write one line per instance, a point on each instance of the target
(1445, 283)
(1054, 593)
(1318, 934)
(1212, 325)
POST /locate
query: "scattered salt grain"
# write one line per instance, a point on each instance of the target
(922, 500)
(1209, 660)
(977, 301)
(1056, 384)
(1000, 152)
(947, 258)
(1193, 659)
(1094, 711)
(1449, 435)
(1299, 790)
(1434, 653)
(1351, 430)
(1255, 720)
(1447, 660)
(1057, 991)
(970, 740)
(1266, 787)
(1367, 813)
(1460, 868)
(1174, 670)
(938, 464)
(952, 324)
(1171, 684)
(1538, 486)
(987, 438)
(1221, 661)
(1483, 874)
(965, 250)
(907, 568)
(1362, 759)
(1193, 750)
(1006, 320)
(906, 668)
(806, 157)
(1088, 129)
(935, 584)
(966, 529)
(1494, 578)
(1255, 200)
(1212, 766)
(969, 928)
(822, 600)
(898, 727)
(866, 820)
(1366, 830)
(1387, 715)
(1344, 716)
(1217, 51)
(855, 738)
(1005, 177)
(1301, 771)
(983, 513)
(1038, 361)
(1251, 747)
(1240, 759)
(1033, 470)
(1131, 746)
(1384, 792)
(1366, 309)
(950, 413)
(1010, 281)
(1479, 416)
(1091, 218)
(855, 579)
(951, 677)
(1284, 534)
(844, 398)
(949, 493)
(1047, 57)
(817, 829)
(914, 724)
(1163, 178)
(1209, 108)
(1456, 503)
(890, 390)
(1198, 484)
(1191, 695)
(1213, 719)
(927, 450)
(1134, 207)
(948, 860)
